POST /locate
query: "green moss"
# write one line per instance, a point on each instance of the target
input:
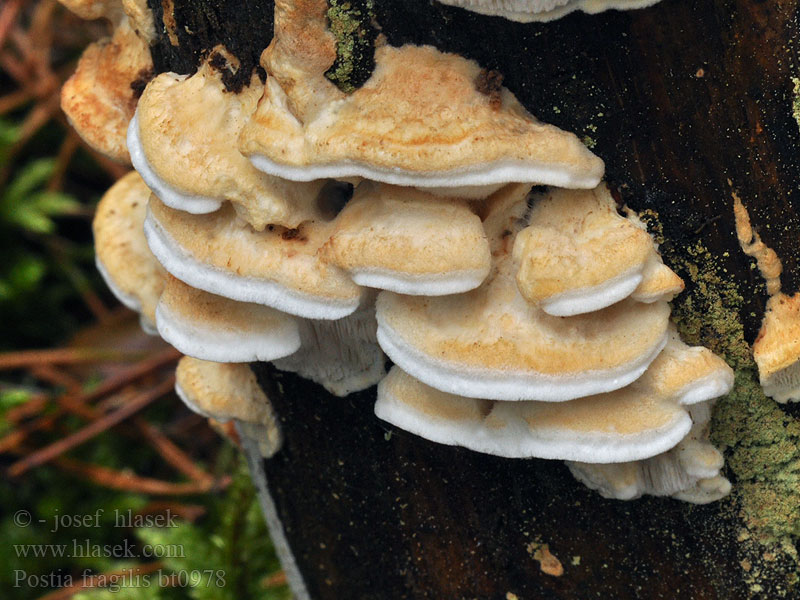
(350, 23)
(761, 442)
(796, 100)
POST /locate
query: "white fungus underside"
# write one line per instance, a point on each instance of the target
(169, 195)
(784, 385)
(439, 284)
(517, 440)
(688, 472)
(188, 269)
(342, 356)
(584, 300)
(476, 382)
(487, 175)
(521, 11)
(705, 465)
(660, 475)
(194, 339)
(706, 388)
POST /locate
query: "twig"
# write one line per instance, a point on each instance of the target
(65, 153)
(8, 15)
(30, 358)
(34, 405)
(56, 377)
(276, 579)
(14, 100)
(91, 430)
(172, 453)
(129, 482)
(187, 512)
(13, 439)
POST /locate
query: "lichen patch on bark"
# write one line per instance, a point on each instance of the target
(761, 442)
(351, 25)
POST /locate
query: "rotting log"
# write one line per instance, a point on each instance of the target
(687, 102)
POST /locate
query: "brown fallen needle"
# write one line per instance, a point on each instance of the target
(30, 358)
(129, 375)
(94, 428)
(129, 482)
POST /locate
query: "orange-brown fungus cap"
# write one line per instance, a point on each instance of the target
(100, 98)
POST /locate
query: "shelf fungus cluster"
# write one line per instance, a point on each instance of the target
(426, 217)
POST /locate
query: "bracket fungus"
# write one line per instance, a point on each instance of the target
(100, 98)
(492, 343)
(481, 141)
(220, 254)
(579, 255)
(636, 422)
(523, 321)
(777, 347)
(183, 143)
(95, 9)
(407, 241)
(214, 328)
(690, 471)
(121, 252)
(225, 391)
(526, 11)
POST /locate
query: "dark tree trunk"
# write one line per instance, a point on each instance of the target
(687, 102)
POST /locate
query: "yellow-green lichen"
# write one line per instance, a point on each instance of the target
(796, 100)
(761, 442)
(350, 23)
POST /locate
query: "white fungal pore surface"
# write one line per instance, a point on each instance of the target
(527, 11)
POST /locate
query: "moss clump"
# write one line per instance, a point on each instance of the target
(762, 444)
(351, 25)
(796, 100)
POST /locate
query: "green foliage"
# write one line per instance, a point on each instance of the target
(42, 269)
(26, 205)
(9, 133)
(124, 593)
(9, 398)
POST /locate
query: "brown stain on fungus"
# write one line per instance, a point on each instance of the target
(490, 83)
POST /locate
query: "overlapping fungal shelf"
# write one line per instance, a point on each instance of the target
(293, 223)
